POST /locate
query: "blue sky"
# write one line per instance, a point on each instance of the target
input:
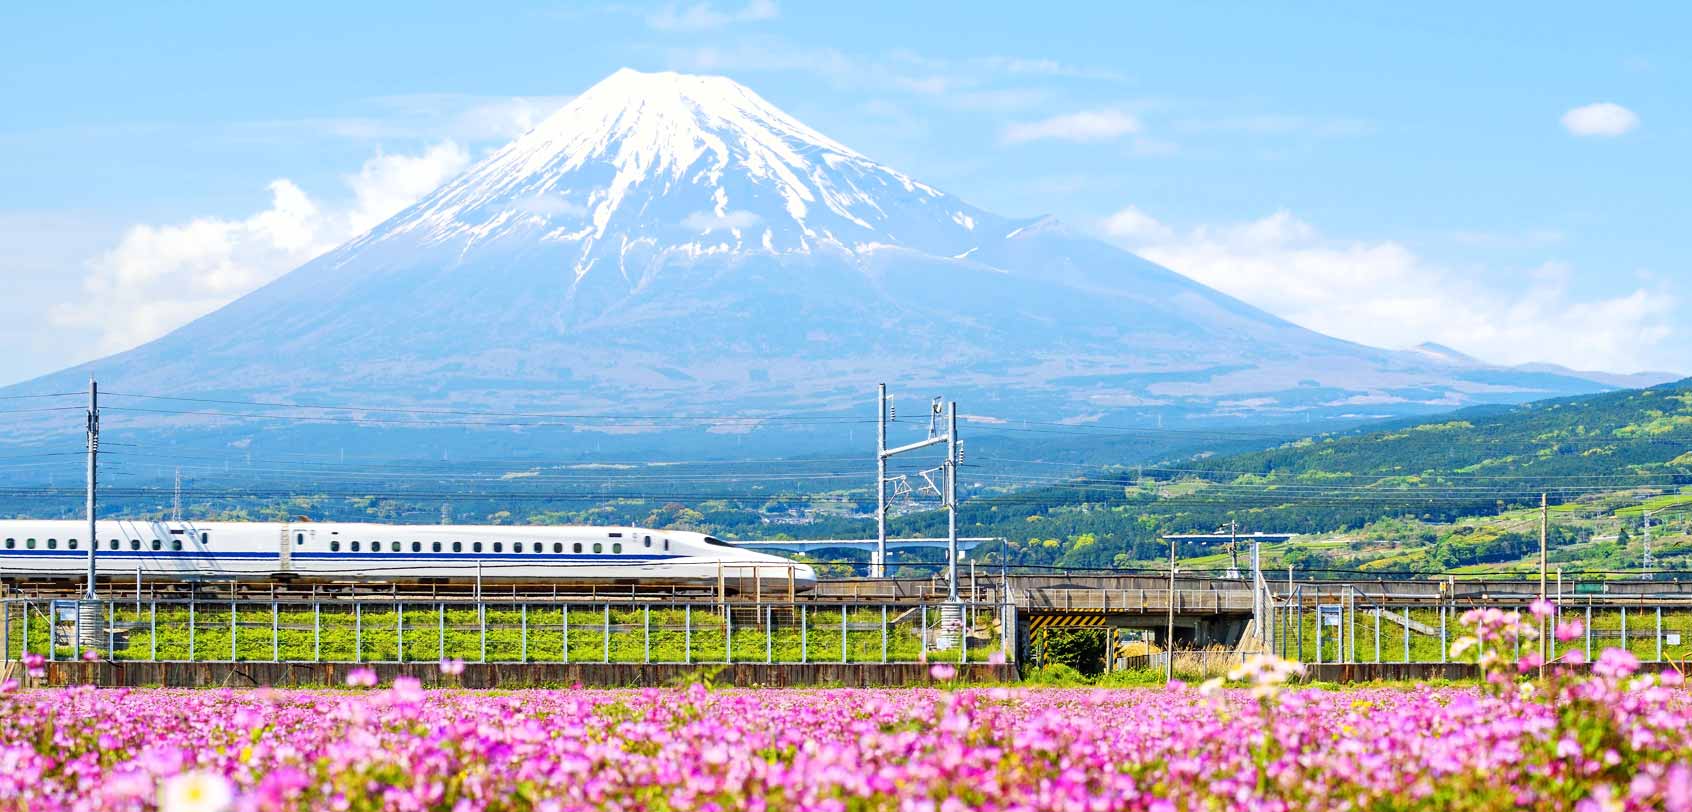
(1507, 179)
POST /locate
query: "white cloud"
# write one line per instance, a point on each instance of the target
(1603, 119)
(1087, 125)
(1383, 294)
(388, 183)
(159, 277)
(704, 16)
(708, 222)
(1134, 225)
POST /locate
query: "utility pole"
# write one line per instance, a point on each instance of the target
(1169, 635)
(946, 490)
(1234, 548)
(1544, 534)
(878, 567)
(93, 452)
(1649, 561)
(952, 501)
(176, 498)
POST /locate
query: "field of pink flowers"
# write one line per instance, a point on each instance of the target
(1608, 739)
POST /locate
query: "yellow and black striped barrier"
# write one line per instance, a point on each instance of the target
(1067, 620)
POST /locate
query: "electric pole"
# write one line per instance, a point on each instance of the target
(1233, 548)
(1169, 636)
(1544, 533)
(952, 502)
(93, 452)
(176, 498)
(878, 567)
(1649, 561)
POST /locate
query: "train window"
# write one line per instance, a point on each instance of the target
(436, 546)
(354, 546)
(71, 543)
(394, 547)
(517, 547)
(176, 544)
(666, 545)
(616, 546)
(205, 537)
(29, 544)
(499, 547)
(334, 546)
(716, 542)
(52, 544)
(134, 544)
(577, 547)
(648, 541)
(458, 546)
(157, 545)
(558, 546)
(476, 547)
(114, 544)
(417, 546)
(10, 543)
(299, 538)
(598, 548)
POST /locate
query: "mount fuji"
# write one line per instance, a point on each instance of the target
(674, 244)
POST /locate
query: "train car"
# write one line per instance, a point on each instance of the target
(188, 550)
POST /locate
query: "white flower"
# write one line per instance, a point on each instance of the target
(1462, 645)
(196, 792)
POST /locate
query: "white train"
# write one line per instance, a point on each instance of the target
(335, 551)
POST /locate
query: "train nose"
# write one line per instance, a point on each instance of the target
(804, 577)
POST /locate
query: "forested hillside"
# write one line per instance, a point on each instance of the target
(1413, 494)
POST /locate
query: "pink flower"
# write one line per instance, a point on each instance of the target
(942, 671)
(408, 690)
(90, 656)
(1616, 663)
(1542, 608)
(1569, 630)
(1677, 795)
(996, 658)
(362, 678)
(35, 665)
(452, 667)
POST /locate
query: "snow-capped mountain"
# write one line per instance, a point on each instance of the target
(688, 165)
(671, 244)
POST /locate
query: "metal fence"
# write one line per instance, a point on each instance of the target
(1347, 625)
(186, 630)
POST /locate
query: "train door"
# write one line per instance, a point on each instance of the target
(285, 549)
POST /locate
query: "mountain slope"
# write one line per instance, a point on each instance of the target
(675, 244)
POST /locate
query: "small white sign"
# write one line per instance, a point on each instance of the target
(1330, 614)
(1672, 639)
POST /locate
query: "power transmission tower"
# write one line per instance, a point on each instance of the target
(176, 498)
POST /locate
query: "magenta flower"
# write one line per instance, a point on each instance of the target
(942, 671)
(452, 667)
(361, 678)
(35, 665)
(1616, 663)
(1570, 630)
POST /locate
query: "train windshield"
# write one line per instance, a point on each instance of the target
(716, 542)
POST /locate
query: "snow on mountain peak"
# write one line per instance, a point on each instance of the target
(696, 164)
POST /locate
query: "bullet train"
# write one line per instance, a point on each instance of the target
(337, 551)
